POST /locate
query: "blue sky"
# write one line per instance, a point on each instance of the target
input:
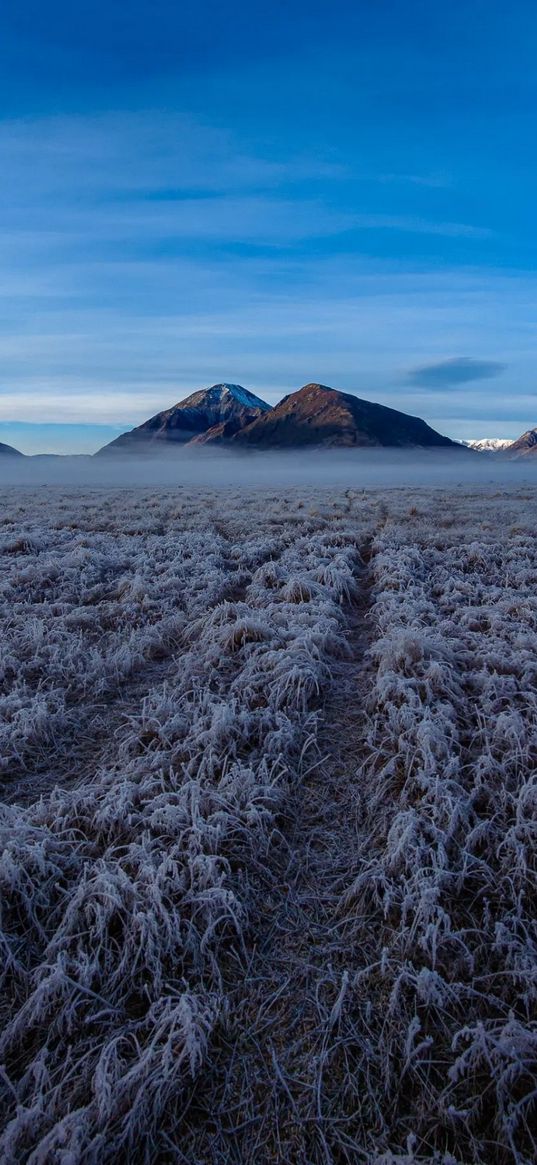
(266, 194)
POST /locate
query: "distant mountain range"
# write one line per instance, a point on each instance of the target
(526, 445)
(315, 416)
(489, 444)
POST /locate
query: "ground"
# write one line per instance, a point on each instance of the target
(268, 875)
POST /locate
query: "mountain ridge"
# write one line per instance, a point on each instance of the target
(489, 444)
(525, 445)
(192, 417)
(317, 415)
(314, 415)
(9, 451)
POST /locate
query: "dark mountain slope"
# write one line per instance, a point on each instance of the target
(9, 451)
(318, 415)
(219, 405)
(526, 445)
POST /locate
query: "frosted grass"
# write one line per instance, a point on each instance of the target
(164, 665)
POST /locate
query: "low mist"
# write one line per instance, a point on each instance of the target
(368, 468)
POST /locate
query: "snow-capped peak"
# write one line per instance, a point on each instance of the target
(244, 396)
(488, 444)
(220, 394)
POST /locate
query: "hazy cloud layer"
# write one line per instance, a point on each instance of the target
(375, 468)
(455, 372)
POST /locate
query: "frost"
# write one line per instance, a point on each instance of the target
(123, 890)
(164, 668)
(449, 862)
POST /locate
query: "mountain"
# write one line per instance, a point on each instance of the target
(219, 434)
(526, 445)
(9, 451)
(315, 415)
(489, 444)
(223, 408)
(318, 415)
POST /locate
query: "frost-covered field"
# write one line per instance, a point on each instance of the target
(268, 827)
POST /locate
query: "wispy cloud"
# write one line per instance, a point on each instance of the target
(120, 364)
(422, 226)
(454, 373)
(141, 152)
(259, 219)
(148, 176)
(145, 254)
(435, 181)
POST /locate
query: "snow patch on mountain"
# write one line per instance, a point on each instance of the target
(488, 444)
(222, 395)
(195, 417)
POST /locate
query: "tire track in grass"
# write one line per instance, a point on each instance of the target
(264, 1098)
(74, 759)
(443, 1004)
(124, 900)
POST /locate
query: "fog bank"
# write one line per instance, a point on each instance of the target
(374, 468)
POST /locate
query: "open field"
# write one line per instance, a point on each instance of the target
(267, 883)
